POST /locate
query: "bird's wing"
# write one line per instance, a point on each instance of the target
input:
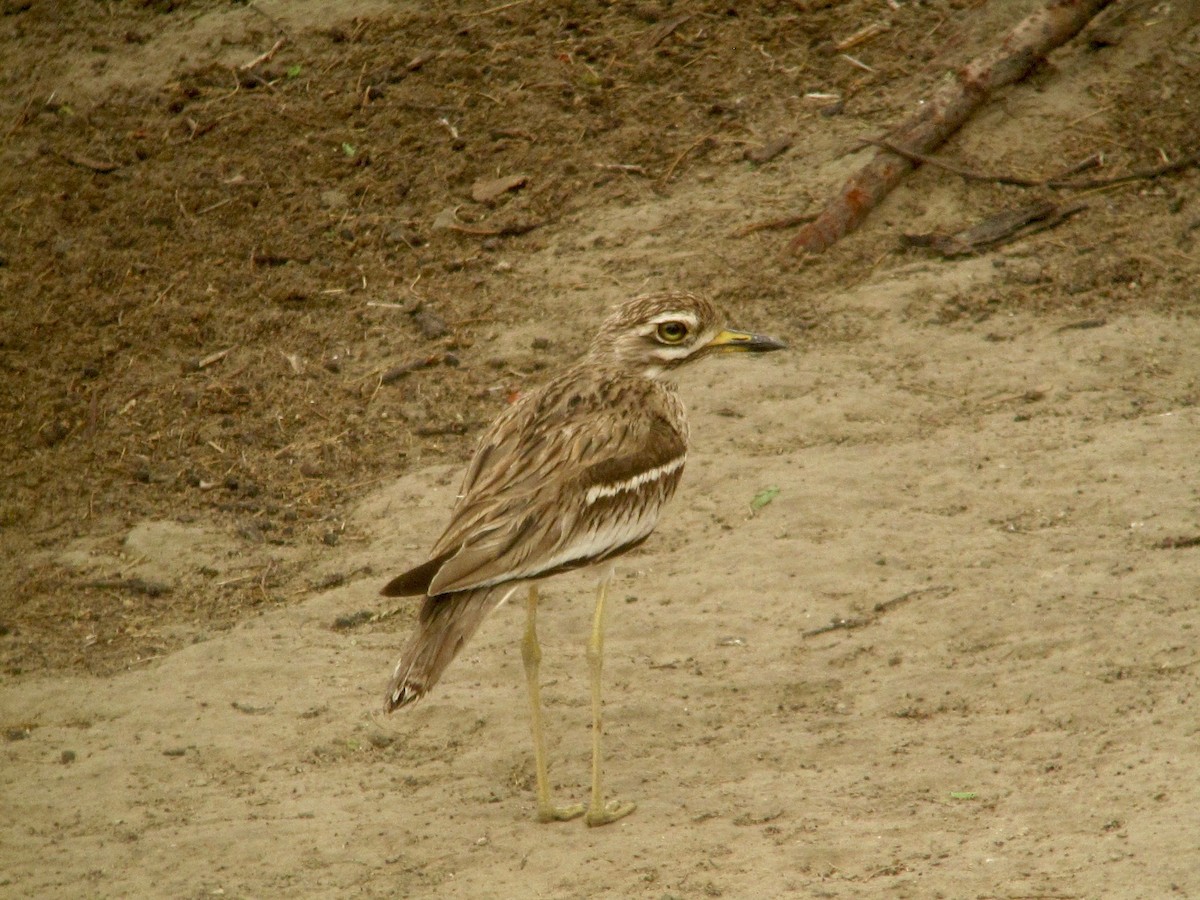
(564, 479)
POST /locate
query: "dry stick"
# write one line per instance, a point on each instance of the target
(951, 106)
(775, 224)
(495, 9)
(84, 162)
(1058, 181)
(264, 57)
(847, 624)
(661, 32)
(510, 230)
(953, 168)
(666, 176)
(1136, 175)
(997, 229)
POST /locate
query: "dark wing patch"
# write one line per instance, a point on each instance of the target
(663, 445)
(415, 582)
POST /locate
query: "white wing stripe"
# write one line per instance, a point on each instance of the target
(605, 536)
(596, 492)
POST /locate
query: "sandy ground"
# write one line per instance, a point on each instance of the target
(955, 656)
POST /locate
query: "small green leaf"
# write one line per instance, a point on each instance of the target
(349, 149)
(294, 71)
(763, 497)
(963, 795)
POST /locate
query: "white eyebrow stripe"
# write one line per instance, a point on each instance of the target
(598, 491)
(681, 316)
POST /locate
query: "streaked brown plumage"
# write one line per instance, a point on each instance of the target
(572, 474)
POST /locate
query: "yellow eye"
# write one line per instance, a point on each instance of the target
(672, 332)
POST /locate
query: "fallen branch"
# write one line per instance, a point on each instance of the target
(997, 229)
(949, 108)
(1170, 168)
(1063, 180)
(970, 174)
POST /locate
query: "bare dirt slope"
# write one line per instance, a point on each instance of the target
(253, 320)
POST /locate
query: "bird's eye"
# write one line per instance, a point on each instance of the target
(672, 332)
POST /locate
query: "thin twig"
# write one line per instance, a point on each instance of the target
(1063, 180)
(84, 162)
(857, 63)
(213, 206)
(775, 224)
(1179, 165)
(495, 9)
(961, 171)
(666, 176)
(885, 606)
(510, 230)
(264, 57)
(623, 167)
(205, 362)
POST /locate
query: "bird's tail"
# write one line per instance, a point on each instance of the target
(445, 624)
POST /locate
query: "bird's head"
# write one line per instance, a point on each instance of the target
(655, 333)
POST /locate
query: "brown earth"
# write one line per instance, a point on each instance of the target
(253, 319)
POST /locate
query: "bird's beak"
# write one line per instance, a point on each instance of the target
(744, 342)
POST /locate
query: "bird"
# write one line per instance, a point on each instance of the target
(571, 474)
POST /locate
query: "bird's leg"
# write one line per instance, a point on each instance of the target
(599, 812)
(531, 655)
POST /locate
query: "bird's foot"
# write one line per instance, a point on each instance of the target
(548, 813)
(609, 812)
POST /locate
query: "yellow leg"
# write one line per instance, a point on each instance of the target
(531, 655)
(599, 812)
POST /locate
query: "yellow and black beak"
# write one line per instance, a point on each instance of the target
(744, 342)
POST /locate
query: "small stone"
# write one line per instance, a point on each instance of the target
(404, 236)
(380, 739)
(430, 324)
(335, 199)
(54, 433)
(447, 218)
(488, 190)
(352, 620)
(330, 581)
